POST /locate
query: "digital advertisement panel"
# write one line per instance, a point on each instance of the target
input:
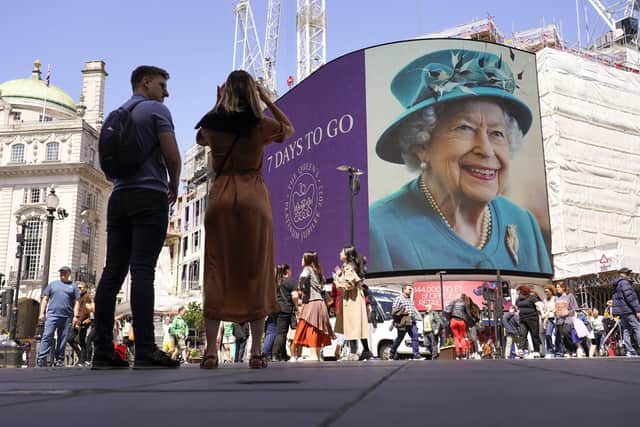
(309, 196)
(430, 293)
(448, 137)
(455, 158)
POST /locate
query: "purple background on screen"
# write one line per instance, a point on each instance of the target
(310, 198)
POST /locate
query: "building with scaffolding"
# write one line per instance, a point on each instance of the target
(590, 108)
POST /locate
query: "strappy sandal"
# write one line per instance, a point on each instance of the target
(209, 362)
(258, 361)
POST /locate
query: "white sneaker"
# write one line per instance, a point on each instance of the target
(535, 355)
(529, 356)
(549, 356)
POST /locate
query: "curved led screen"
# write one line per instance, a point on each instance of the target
(448, 135)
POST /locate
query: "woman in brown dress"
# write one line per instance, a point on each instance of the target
(239, 281)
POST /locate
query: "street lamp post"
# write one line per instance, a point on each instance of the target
(440, 273)
(497, 312)
(19, 254)
(354, 188)
(52, 205)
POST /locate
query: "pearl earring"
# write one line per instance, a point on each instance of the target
(424, 166)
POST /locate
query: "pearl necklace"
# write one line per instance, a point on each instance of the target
(486, 217)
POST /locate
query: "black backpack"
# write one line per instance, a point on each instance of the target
(121, 154)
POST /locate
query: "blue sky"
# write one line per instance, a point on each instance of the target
(193, 39)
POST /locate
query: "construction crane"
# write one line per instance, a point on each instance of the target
(270, 52)
(620, 18)
(311, 28)
(246, 39)
(261, 59)
(248, 53)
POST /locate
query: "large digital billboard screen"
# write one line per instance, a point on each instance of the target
(448, 134)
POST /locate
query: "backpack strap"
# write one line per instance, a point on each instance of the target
(135, 104)
(130, 109)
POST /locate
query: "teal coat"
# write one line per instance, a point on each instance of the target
(407, 234)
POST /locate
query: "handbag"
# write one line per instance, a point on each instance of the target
(400, 319)
(580, 327)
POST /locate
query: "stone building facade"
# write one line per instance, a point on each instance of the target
(49, 141)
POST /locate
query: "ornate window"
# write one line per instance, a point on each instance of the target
(34, 195)
(196, 241)
(194, 275)
(53, 151)
(32, 249)
(183, 278)
(17, 153)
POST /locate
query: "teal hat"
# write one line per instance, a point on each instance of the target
(448, 75)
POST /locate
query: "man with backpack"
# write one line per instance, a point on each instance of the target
(137, 150)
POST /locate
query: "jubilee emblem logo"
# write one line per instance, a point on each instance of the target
(305, 198)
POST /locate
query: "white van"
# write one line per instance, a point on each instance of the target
(381, 333)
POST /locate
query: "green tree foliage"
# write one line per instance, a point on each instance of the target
(194, 316)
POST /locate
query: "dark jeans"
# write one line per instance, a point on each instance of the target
(89, 342)
(597, 340)
(270, 336)
(61, 325)
(84, 345)
(472, 335)
(413, 333)
(73, 341)
(530, 325)
(241, 346)
(564, 341)
(630, 326)
(136, 229)
(280, 343)
(549, 332)
(431, 343)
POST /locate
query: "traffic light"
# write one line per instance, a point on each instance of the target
(6, 299)
(506, 291)
(3, 309)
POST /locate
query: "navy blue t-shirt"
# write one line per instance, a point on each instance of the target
(62, 297)
(151, 118)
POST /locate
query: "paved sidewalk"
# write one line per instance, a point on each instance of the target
(579, 392)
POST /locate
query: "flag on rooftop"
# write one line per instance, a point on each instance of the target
(47, 79)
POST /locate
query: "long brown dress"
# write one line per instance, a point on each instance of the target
(239, 277)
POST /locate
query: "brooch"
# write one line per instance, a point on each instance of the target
(512, 242)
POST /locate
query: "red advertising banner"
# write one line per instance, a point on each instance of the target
(425, 293)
